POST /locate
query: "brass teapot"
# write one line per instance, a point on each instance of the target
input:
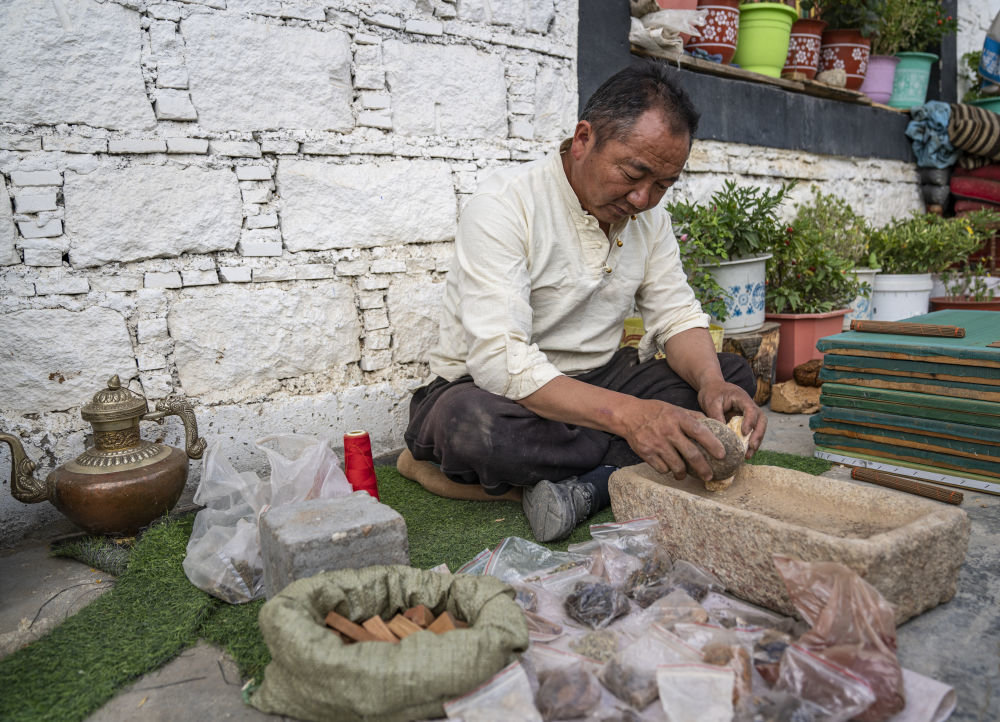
(122, 483)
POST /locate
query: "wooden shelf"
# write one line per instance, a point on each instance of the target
(808, 87)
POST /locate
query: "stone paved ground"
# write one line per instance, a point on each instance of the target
(958, 643)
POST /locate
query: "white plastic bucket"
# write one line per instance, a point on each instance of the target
(901, 295)
(743, 281)
(992, 283)
(861, 306)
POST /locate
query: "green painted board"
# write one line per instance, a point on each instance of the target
(983, 437)
(911, 368)
(912, 403)
(966, 451)
(890, 451)
(981, 329)
(922, 472)
(940, 387)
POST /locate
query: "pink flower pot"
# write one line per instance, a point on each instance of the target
(803, 49)
(879, 78)
(798, 335)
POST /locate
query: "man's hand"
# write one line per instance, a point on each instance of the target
(663, 436)
(722, 400)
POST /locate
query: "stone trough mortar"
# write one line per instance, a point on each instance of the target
(907, 547)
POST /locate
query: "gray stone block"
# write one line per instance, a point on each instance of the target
(908, 548)
(347, 532)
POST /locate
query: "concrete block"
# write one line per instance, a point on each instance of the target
(36, 178)
(172, 76)
(383, 146)
(165, 12)
(381, 119)
(16, 141)
(149, 330)
(156, 279)
(352, 268)
(263, 220)
(371, 299)
(174, 105)
(42, 257)
(907, 547)
(137, 145)
(369, 78)
(253, 172)
(315, 271)
(375, 319)
(388, 265)
(424, 27)
(200, 278)
(385, 20)
(150, 361)
(74, 144)
(378, 340)
(260, 243)
(366, 39)
(197, 146)
(370, 283)
(117, 282)
(347, 532)
(302, 11)
(35, 202)
(274, 274)
(375, 360)
(326, 147)
(374, 100)
(49, 229)
(236, 148)
(281, 147)
(61, 283)
(235, 274)
(256, 195)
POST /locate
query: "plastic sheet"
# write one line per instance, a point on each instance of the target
(507, 696)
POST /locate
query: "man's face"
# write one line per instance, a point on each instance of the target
(622, 178)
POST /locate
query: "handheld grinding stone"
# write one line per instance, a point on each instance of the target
(735, 444)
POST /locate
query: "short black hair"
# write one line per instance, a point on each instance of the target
(615, 106)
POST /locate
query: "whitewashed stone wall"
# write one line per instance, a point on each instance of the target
(252, 202)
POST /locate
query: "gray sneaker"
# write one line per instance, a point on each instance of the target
(555, 508)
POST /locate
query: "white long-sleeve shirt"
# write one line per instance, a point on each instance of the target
(536, 289)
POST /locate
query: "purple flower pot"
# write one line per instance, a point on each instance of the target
(879, 78)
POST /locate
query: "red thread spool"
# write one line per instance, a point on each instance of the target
(358, 463)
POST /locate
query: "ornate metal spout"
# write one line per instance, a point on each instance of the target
(23, 485)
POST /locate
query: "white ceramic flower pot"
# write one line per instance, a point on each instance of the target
(743, 281)
(992, 283)
(861, 306)
(901, 295)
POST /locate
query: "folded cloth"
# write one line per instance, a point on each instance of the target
(928, 131)
(976, 189)
(990, 171)
(975, 130)
(927, 700)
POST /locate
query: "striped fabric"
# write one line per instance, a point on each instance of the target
(975, 130)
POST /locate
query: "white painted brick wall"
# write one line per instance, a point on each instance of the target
(257, 199)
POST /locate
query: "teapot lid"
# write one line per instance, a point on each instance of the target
(114, 403)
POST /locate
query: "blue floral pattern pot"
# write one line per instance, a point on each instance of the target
(743, 281)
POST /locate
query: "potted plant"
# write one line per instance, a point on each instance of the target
(910, 250)
(725, 244)
(809, 289)
(802, 61)
(846, 41)
(968, 287)
(975, 95)
(831, 221)
(917, 27)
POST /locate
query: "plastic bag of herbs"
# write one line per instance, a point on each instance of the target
(313, 675)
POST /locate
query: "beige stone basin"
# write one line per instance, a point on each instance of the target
(907, 547)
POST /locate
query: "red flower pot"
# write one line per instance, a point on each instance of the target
(798, 335)
(939, 303)
(847, 50)
(721, 28)
(803, 49)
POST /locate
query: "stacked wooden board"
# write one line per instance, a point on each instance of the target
(924, 407)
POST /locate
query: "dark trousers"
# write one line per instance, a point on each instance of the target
(481, 438)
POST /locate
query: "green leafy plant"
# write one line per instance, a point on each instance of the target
(804, 276)
(929, 243)
(831, 221)
(736, 222)
(967, 282)
(862, 15)
(911, 25)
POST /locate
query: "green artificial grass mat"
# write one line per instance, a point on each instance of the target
(153, 612)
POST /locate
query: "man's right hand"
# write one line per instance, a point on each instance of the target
(664, 435)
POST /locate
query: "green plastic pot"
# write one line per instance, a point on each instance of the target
(987, 103)
(765, 29)
(909, 88)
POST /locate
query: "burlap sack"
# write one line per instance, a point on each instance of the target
(313, 675)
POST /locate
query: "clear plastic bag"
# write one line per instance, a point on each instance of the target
(853, 626)
(506, 696)
(833, 689)
(619, 548)
(223, 554)
(631, 674)
(696, 692)
(694, 580)
(516, 559)
(731, 612)
(595, 603)
(676, 607)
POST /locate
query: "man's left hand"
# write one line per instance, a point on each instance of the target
(721, 400)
